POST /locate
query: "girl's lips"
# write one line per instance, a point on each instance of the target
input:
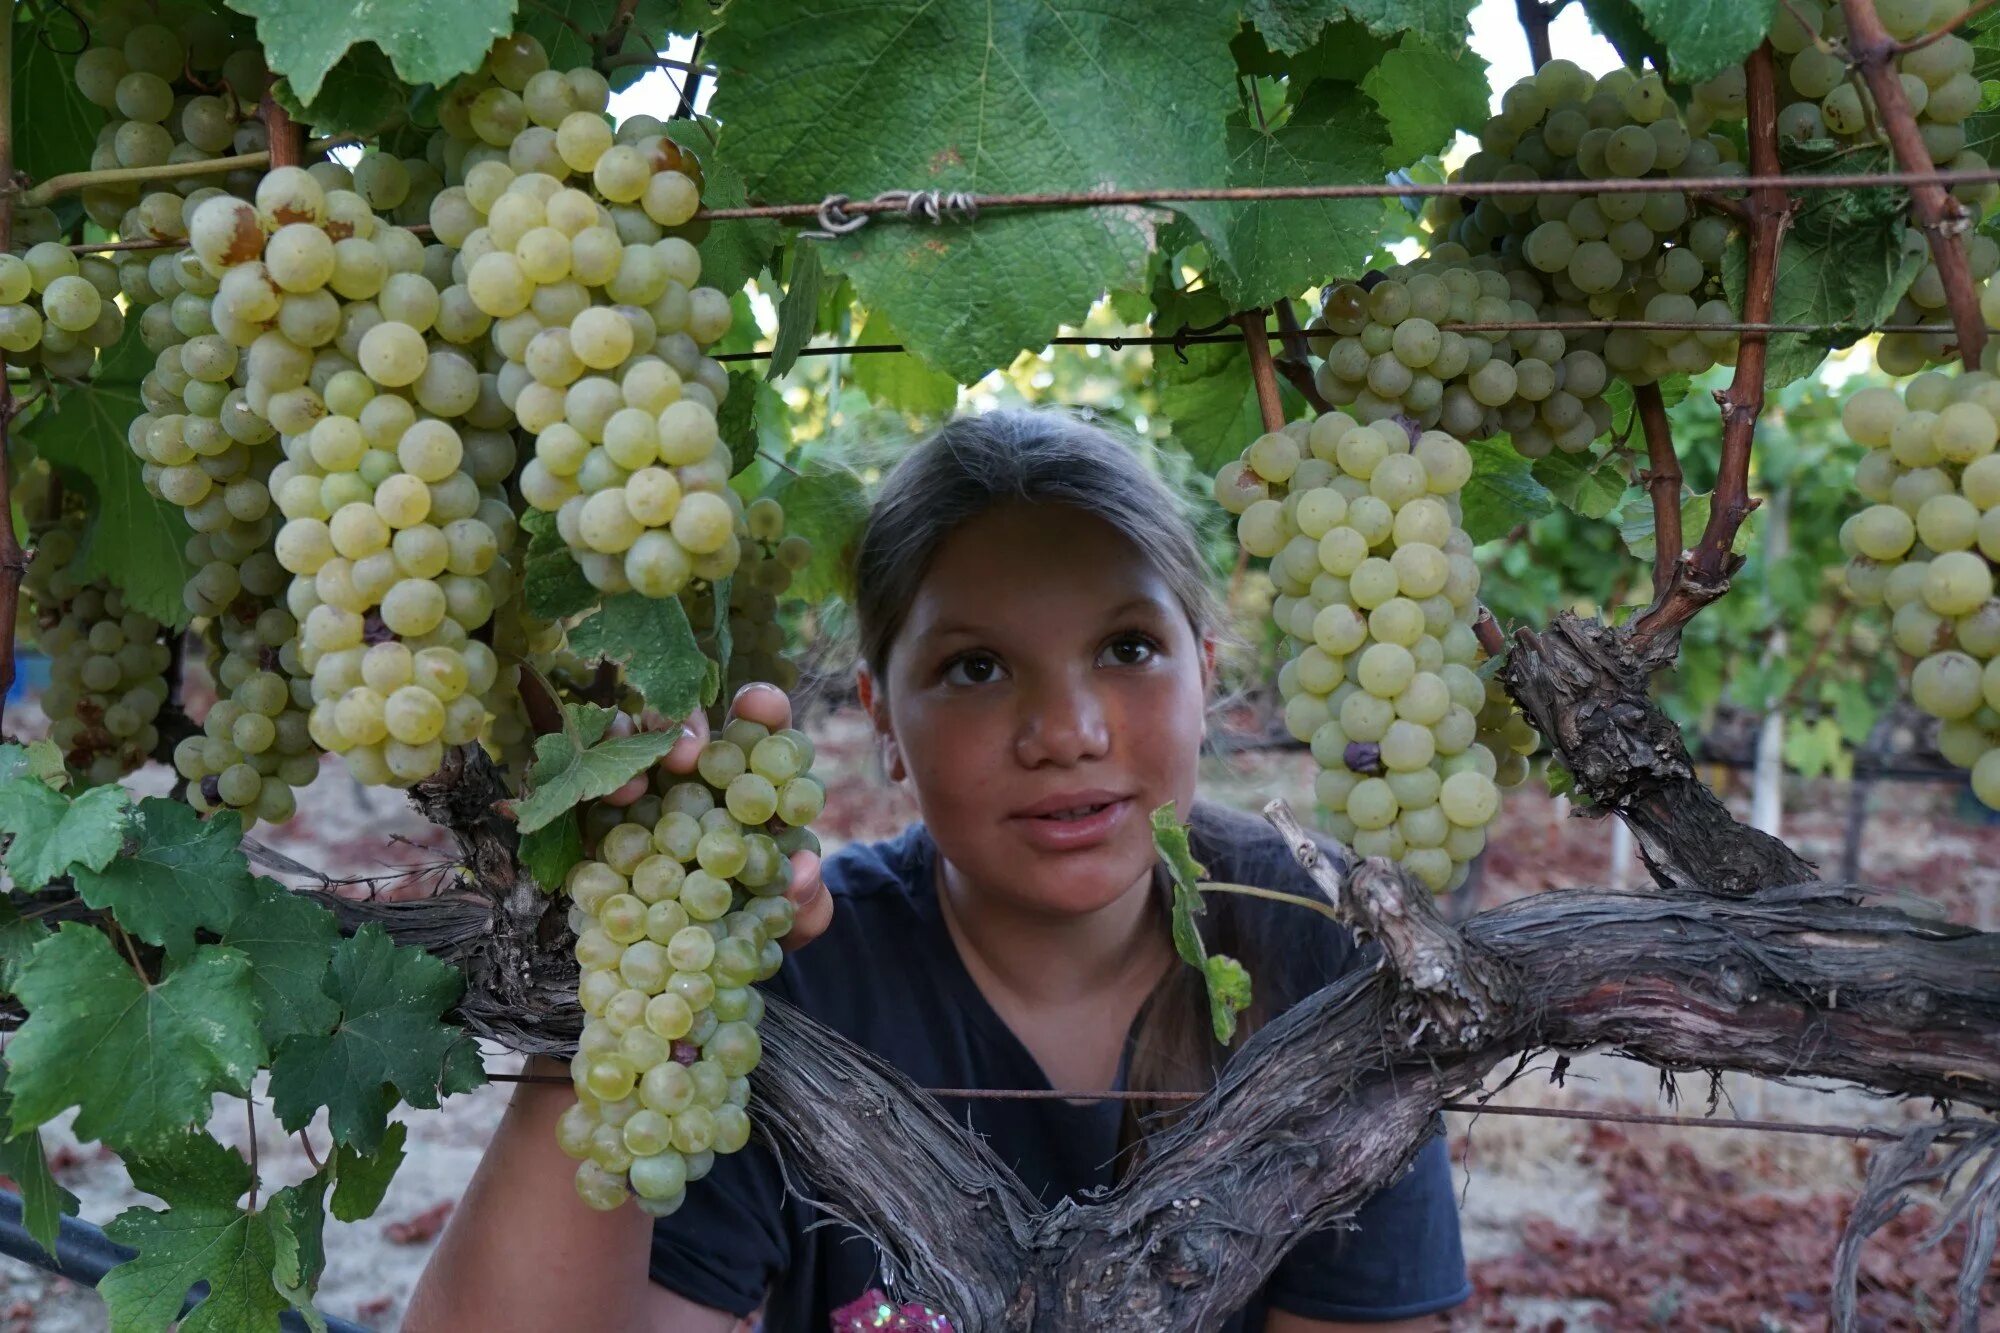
(1077, 828)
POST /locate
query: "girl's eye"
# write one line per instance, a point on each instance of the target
(1128, 650)
(972, 669)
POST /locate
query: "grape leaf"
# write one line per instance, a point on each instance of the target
(826, 504)
(1292, 25)
(362, 1178)
(51, 832)
(566, 43)
(1502, 493)
(736, 421)
(304, 39)
(40, 760)
(1625, 30)
(389, 1040)
(733, 252)
(1265, 251)
(1591, 485)
(297, 1216)
(18, 937)
(650, 637)
(361, 96)
(571, 767)
(176, 874)
(141, 1060)
(1705, 37)
(902, 380)
(1637, 531)
(1227, 982)
(135, 540)
(288, 940)
(202, 1236)
(64, 122)
(1018, 95)
(552, 850)
(43, 1200)
(798, 311)
(552, 583)
(1426, 96)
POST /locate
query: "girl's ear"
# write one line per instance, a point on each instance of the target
(875, 703)
(1210, 650)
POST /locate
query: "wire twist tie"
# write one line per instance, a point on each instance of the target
(936, 207)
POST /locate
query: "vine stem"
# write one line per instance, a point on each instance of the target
(1941, 217)
(1663, 479)
(57, 186)
(613, 37)
(1972, 12)
(1297, 361)
(1263, 371)
(1703, 574)
(13, 560)
(1535, 16)
(1275, 895)
(282, 131)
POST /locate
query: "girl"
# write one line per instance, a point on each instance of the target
(1038, 641)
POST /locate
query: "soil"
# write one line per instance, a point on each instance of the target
(1567, 1225)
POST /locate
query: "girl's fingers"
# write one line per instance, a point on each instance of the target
(809, 895)
(765, 704)
(630, 792)
(694, 734)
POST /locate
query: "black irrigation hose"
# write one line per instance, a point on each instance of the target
(84, 1254)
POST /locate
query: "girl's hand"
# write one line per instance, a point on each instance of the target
(769, 706)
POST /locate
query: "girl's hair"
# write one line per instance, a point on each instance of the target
(1049, 456)
(1039, 456)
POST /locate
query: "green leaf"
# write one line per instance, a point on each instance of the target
(288, 939)
(361, 97)
(1502, 492)
(18, 937)
(1228, 984)
(1590, 484)
(177, 874)
(733, 252)
(720, 642)
(1637, 531)
(362, 1178)
(552, 583)
(1624, 29)
(1266, 251)
(652, 21)
(1842, 263)
(1426, 96)
(736, 420)
(56, 126)
(390, 1040)
(651, 639)
(902, 380)
(51, 832)
(1705, 37)
(141, 1061)
(571, 767)
(1560, 781)
(552, 850)
(202, 1236)
(1292, 25)
(798, 311)
(43, 1201)
(297, 1218)
(826, 504)
(304, 39)
(1018, 95)
(40, 760)
(135, 540)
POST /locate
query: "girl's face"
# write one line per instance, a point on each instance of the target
(1044, 696)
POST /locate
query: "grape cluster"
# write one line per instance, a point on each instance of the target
(677, 913)
(1390, 351)
(563, 228)
(107, 662)
(1376, 591)
(1926, 546)
(58, 310)
(763, 575)
(1822, 100)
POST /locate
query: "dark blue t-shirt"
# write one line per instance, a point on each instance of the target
(887, 976)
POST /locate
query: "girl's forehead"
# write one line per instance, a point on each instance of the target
(1033, 560)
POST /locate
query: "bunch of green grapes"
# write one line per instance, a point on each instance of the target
(1926, 545)
(562, 228)
(58, 310)
(107, 662)
(1377, 593)
(1822, 100)
(677, 913)
(756, 636)
(179, 86)
(1390, 351)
